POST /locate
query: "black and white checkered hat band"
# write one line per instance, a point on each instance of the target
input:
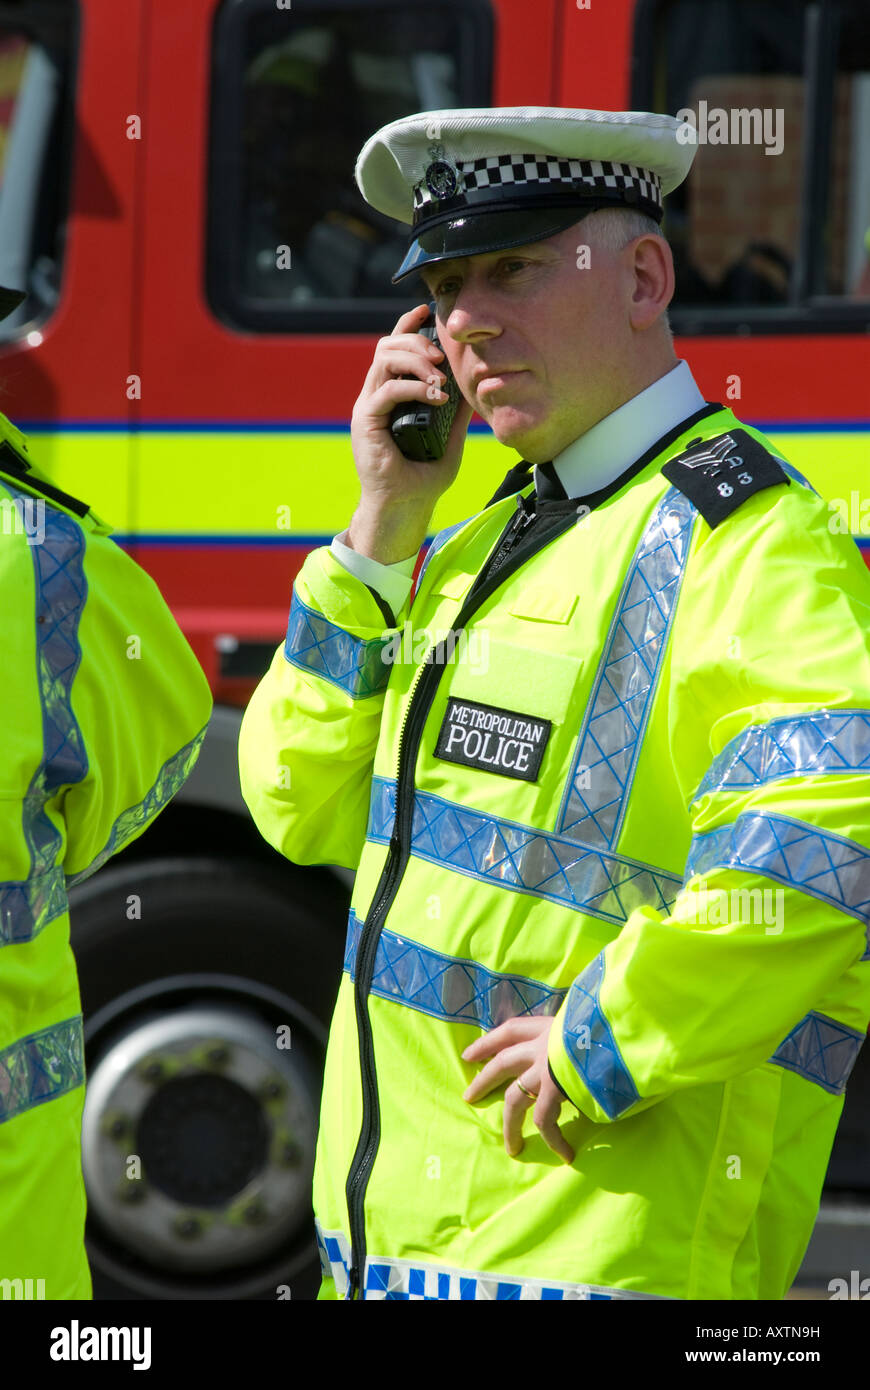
(597, 176)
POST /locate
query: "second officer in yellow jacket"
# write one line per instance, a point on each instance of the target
(104, 708)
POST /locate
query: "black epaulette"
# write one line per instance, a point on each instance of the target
(717, 475)
(12, 465)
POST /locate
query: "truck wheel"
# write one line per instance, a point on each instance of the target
(206, 990)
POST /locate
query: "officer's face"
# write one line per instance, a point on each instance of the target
(543, 340)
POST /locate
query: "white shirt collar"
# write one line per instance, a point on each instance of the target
(613, 445)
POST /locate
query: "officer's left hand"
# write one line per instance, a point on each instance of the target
(519, 1048)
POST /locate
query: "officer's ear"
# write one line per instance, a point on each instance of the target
(653, 269)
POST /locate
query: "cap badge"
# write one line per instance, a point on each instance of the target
(442, 178)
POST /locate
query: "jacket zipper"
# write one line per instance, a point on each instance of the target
(416, 713)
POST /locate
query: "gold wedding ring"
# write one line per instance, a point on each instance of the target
(531, 1094)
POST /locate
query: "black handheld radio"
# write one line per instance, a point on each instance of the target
(421, 431)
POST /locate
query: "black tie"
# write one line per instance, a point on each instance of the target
(548, 487)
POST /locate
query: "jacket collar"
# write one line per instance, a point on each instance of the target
(611, 446)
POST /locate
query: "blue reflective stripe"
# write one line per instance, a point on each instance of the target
(399, 1280)
(817, 862)
(406, 1280)
(589, 1042)
(170, 777)
(315, 644)
(790, 469)
(806, 745)
(325, 1265)
(334, 1250)
(28, 906)
(818, 1048)
(447, 987)
(821, 1050)
(41, 1067)
(522, 859)
(438, 540)
(611, 735)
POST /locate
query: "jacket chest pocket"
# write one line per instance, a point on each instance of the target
(544, 603)
(524, 650)
(513, 680)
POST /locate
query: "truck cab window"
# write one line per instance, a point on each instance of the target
(776, 93)
(292, 243)
(36, 44)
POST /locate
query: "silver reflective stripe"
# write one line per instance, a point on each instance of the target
(60, 594)
(447, 987)
(821, 1050)
(611, 735)
(818, 1048)
(26, 908)
(790, 469)
(517, 857)
(462, 991)
(589, 1042)
(387, 1278)
(315, 644)
(827, 741)
(41, 1067)
(439, 539)
(816, 862)
(171, 776)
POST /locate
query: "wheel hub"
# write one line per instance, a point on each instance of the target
(202, 1139)
(198, 1139)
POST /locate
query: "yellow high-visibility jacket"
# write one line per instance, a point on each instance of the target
(103, 708)
(634, 795)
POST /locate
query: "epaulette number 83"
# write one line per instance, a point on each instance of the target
(697, 472)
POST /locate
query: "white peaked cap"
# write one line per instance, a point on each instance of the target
(468, 181)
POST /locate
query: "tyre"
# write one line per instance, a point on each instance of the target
(207, 988)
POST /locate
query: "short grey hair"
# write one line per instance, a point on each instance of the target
(613, 228)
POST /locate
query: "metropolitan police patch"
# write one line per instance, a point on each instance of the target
(495, 740)
(718, 475)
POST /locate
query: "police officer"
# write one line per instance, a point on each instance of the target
(104, 708)
(607, 965)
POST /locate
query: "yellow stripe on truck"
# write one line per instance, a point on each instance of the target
(285, 483)
(93, 466)
(238, 483)
(838, 466)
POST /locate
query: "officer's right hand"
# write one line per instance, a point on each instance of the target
(392, 485)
